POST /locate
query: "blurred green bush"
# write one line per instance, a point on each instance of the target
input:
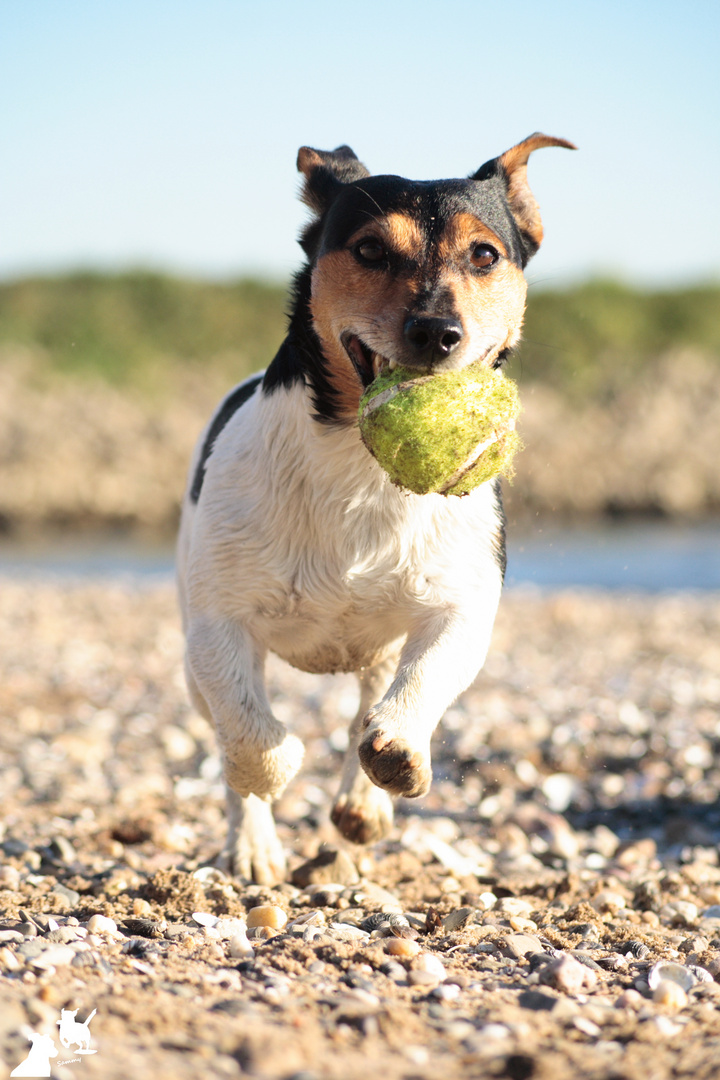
(127, 328)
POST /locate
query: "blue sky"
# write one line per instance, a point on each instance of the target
(163, 133)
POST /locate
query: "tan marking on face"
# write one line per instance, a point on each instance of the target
(462, 232)
(491, 305)
(367, 302)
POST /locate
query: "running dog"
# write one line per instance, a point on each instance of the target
(293, 540)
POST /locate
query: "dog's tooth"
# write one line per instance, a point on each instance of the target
(392, 364)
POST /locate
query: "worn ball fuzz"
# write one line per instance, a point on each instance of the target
(447, 433)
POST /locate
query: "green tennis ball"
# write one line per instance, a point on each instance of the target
(447, 433)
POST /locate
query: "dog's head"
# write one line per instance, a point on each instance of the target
(421, 274)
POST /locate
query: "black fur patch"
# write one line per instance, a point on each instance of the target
(229, 407)
(300, 358)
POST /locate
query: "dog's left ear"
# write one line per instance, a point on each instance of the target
(325, 171)
(511, 167)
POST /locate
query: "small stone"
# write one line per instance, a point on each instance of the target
(587, 1027)
(267, 915)
(712, 912)
(514, 905)
(431, 964)
(141, 907)
(665, 971)
(567, 974)
(227, 927)
(670, 995)
(608, 900)
(240, 948)
(10, 878)
(517, 946)
(446, 992)
(332, 866)
(522, 925)
(12, 937)
(680, 912)
(457, 919)
(630, 999)
(69, 898)
(401, 947)
(101, 924)
(56, 956)
(63, 850)
(8, 960)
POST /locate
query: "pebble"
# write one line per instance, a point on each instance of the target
(670, 995)
(513, 905)
(101, 924)
(446, 992)
(228, 927)
(240, 947)
(332, 866)
(53, 957)
(8, 960)
(431, 965)
(267, 915)
(455, 920)
(141, 908)
(608, 900)
(12, 936)
(517, 946)
(629, 999)
(63, 850)
(567, 974)
(10, 878)
(664, 971)
(401, 947)
(680, 912)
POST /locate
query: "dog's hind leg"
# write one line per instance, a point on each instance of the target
(363, 812)
(253, 849)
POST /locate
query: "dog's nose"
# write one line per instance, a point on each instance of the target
(432, 338)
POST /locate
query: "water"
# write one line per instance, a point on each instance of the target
(649, 557)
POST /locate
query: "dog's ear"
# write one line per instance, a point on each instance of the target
(511, 167)
(325, 171)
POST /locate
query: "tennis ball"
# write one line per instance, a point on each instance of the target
(447, 433)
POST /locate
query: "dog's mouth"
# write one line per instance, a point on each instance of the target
(367, 363)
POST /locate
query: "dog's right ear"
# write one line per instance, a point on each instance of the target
(325, 171)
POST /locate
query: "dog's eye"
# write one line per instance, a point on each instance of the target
(370, 251)
(483, 256)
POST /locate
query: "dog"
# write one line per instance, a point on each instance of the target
(293, 540)
(73, 1033)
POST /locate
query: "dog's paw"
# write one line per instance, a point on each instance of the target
(394, 764)
(253, 850)
(265, 773)
(363, 821)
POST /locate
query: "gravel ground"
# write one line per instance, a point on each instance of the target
(552, 908)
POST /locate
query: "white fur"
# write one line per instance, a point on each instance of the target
(300, 545)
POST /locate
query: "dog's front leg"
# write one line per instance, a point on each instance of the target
(259, 755)
(225, 677)
(253, 849)
(363, 812)
(439, 661)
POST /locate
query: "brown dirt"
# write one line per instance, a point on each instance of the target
(574, 802)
